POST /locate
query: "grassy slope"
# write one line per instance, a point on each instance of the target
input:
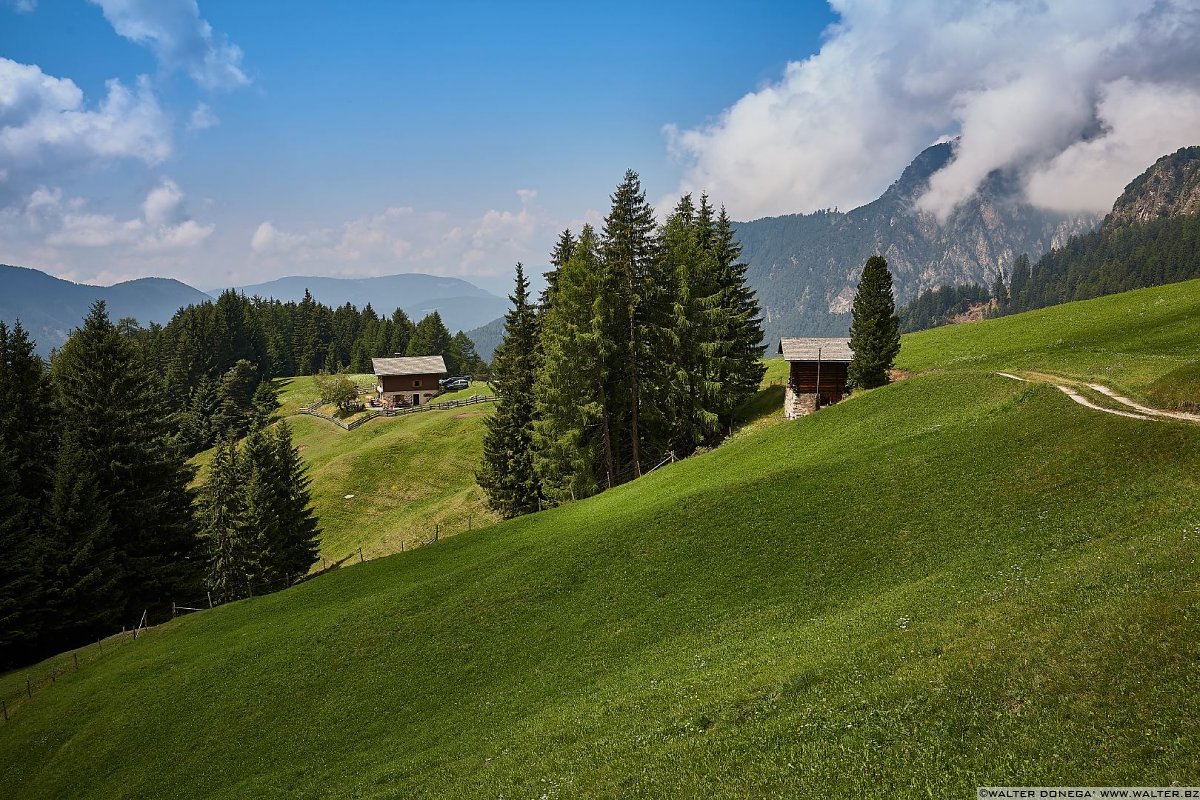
(1126, 341)
(407, 474)
(952, 581)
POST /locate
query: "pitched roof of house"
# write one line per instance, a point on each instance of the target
(806, 349)
(410, 365)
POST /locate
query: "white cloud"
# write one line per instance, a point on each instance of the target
(1137, 119)
(403, 238)
(24, 6)
(46, 129)
(1023, 83)
(47, 229)
(180, 39)
(202, 118)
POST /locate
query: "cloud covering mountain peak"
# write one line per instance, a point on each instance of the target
(1076, 97)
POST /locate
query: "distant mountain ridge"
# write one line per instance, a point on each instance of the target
(805, 267)
(462, 304)
(50, 308)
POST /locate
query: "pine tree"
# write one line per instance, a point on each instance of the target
(294, 545)
(571, 439)
(83, 576)
(558, 258)
(235, 400)
(875, 329)
(507, 473)
(739, 370)
(118, 432)
(635, 311)
(231, 553)
(431, 338)
(695, 330)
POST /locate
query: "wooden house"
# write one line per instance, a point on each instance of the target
(409, 381)
(817, 371)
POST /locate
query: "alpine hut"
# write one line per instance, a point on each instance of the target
(817, 373)
(407, 381)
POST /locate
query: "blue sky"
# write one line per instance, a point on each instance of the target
(227, 143)
(349, 109)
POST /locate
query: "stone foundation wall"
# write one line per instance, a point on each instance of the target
(798, 405)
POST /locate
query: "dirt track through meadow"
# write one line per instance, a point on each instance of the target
(1138, 411)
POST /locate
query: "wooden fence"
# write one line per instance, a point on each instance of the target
(37, 680)
(313, 409)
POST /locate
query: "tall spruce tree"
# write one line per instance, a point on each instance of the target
(84, 579)
(572, 445)
(293, 546)
(694, 335)
(636, 309)
(231, 553)
(507, 473)
(738, 356)
(558, 258)
(875, 328)
(118, 434)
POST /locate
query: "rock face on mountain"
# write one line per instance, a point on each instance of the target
(805, 267)
(1169, 188)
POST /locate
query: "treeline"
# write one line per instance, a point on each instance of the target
(644, 342)
(97, 517)
(216, 356)
(1109, 260)
(939, 306)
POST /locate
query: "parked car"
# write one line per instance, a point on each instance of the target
(454, 384)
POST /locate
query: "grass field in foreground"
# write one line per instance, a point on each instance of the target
(953, 581)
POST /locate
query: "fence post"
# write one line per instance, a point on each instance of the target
(76, 661)
(100, 644)
(360, 556)
(209, 599)
(437, 530)
(172, 609)
(468, 522)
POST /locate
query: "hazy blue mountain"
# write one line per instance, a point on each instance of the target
(463, 305)
(51, 307)
(805, 267)
(488, 337)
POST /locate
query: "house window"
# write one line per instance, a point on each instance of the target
(416, 383)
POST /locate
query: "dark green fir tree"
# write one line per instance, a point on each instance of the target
(119, 435)
(507, 473)
(875, 327)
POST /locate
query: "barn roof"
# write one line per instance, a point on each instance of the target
(797, 349)
(411, 365)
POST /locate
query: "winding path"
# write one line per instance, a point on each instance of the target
(1139, 411)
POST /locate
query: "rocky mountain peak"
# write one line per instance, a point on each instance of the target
(1171, 187)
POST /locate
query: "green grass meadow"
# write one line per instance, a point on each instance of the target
(952, 581)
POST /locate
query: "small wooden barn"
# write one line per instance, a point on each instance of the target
(408, 381)
(817, 373)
